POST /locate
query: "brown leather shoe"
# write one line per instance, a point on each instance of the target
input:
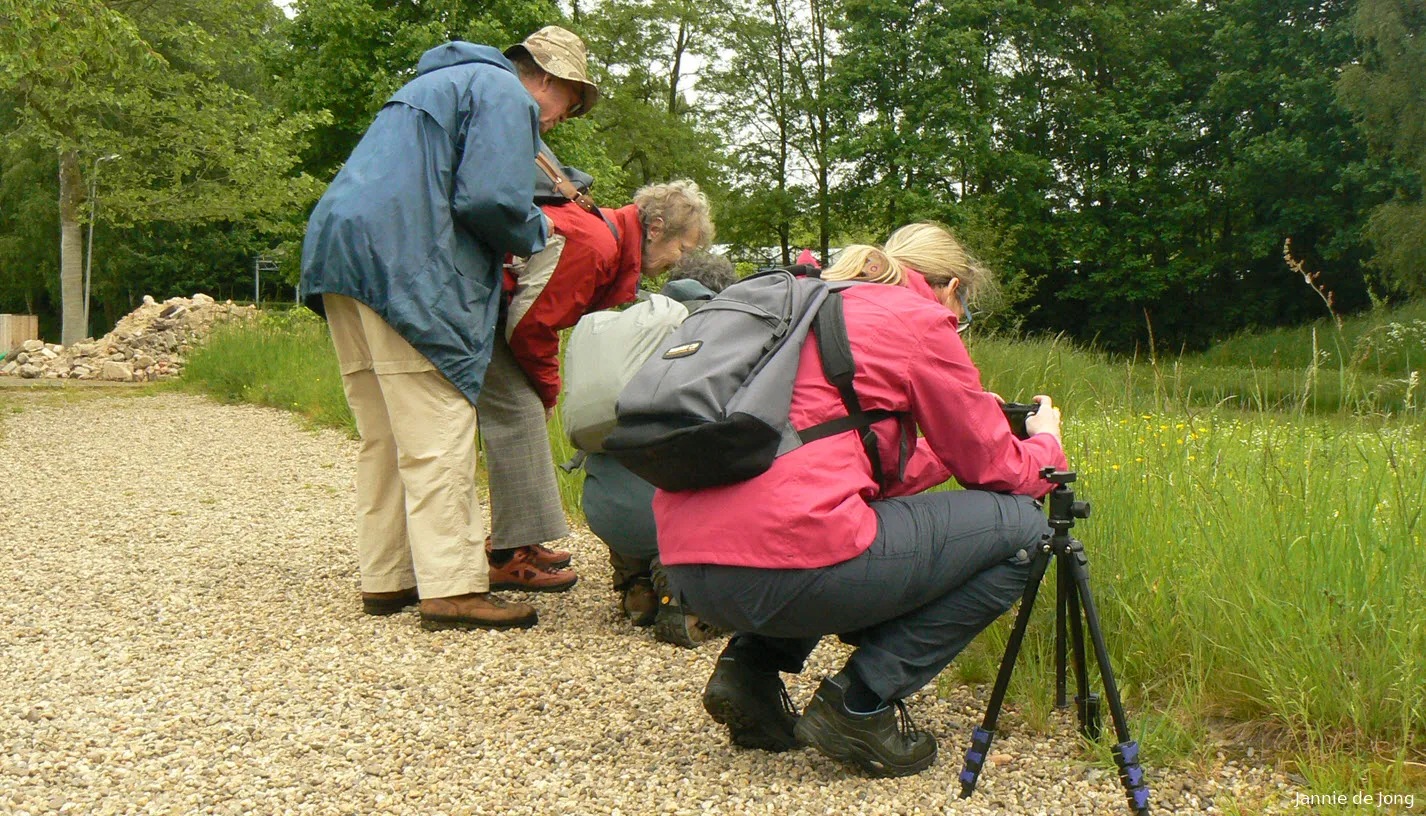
(522, 573)
(478, 610)
(545, 558)
(550, 559)
(388, 603)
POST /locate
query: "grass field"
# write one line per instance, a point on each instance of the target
(1256, 543)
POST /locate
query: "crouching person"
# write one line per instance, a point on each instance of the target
(814, 547)
(618, 505)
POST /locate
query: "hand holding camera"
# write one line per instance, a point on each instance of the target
(1027, 419)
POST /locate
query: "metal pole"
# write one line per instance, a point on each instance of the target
(89, 253)
(257, 280)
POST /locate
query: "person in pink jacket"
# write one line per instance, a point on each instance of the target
(813, 546)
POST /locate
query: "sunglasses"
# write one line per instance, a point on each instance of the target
(963, 323)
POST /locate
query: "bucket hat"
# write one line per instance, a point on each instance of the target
(560, 53)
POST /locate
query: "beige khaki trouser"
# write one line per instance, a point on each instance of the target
(419, 520)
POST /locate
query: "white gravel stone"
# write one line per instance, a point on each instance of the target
(180, 632)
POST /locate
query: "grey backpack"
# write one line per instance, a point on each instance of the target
(710, 406)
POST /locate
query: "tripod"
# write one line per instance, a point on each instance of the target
(1072, 586)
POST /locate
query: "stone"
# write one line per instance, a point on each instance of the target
(22, 358)
(149, 301)
(30, 372)
(47, 354)
(9, 368)
(143, 361)
(121, 372)
(32, 345)
(201, 298)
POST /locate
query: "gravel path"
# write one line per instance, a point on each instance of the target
(180, 632)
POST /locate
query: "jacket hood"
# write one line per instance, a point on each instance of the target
(687, 289)
(461, 53)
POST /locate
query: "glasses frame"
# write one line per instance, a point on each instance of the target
(963, 323)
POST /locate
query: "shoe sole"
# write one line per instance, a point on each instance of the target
(438, 623)
(383, 608)
(512, 586)
(812, 730)
(744, 731)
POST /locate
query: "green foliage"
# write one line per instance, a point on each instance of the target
(1389, 342)
(283, 360)
(1139, 163)
(346, 57)
(642, 53)
(1385, 91)
(162, 87)
(171, 97)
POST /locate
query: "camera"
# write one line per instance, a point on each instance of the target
(1015, 414)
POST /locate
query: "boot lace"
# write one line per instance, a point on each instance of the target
(909, 731)
(786, 699)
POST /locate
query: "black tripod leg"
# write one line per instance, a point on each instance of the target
(1126, 753)
(981, 737)
(1064, 590)
(1086, 702)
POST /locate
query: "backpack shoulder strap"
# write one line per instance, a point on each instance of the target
(566, 188)
(830, 327)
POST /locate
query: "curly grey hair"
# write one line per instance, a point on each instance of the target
(682, 206)
(713, 271)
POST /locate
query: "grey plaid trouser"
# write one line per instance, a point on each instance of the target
(524, 496)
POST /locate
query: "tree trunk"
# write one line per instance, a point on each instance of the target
(71, 250)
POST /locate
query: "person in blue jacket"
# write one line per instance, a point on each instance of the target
(403, 255)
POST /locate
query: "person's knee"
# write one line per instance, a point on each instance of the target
(1025, 522)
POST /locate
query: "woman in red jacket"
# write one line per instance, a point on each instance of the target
(814, 547)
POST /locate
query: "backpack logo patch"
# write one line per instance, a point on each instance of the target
(683, 350)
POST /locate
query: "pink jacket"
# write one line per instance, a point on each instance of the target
(812, 507)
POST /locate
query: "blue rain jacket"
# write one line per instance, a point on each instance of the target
(418, 221)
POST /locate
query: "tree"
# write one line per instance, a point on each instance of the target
(775, 101)
(1386, 92)
(642, 53)
(346, 57)
(154, 82)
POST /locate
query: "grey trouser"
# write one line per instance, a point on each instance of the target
(943, 566)
(619, 507)
(524, 497)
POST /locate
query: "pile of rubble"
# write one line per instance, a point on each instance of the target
(148, 344)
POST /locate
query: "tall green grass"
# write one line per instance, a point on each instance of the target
(1385, 342)
(282, 359)
(1088, 379)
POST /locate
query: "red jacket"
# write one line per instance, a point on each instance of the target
(811, 508)
(591, 272)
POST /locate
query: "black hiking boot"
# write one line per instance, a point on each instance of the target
(753, 704)
(876, 743)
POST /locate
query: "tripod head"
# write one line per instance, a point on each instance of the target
(1063, 507)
